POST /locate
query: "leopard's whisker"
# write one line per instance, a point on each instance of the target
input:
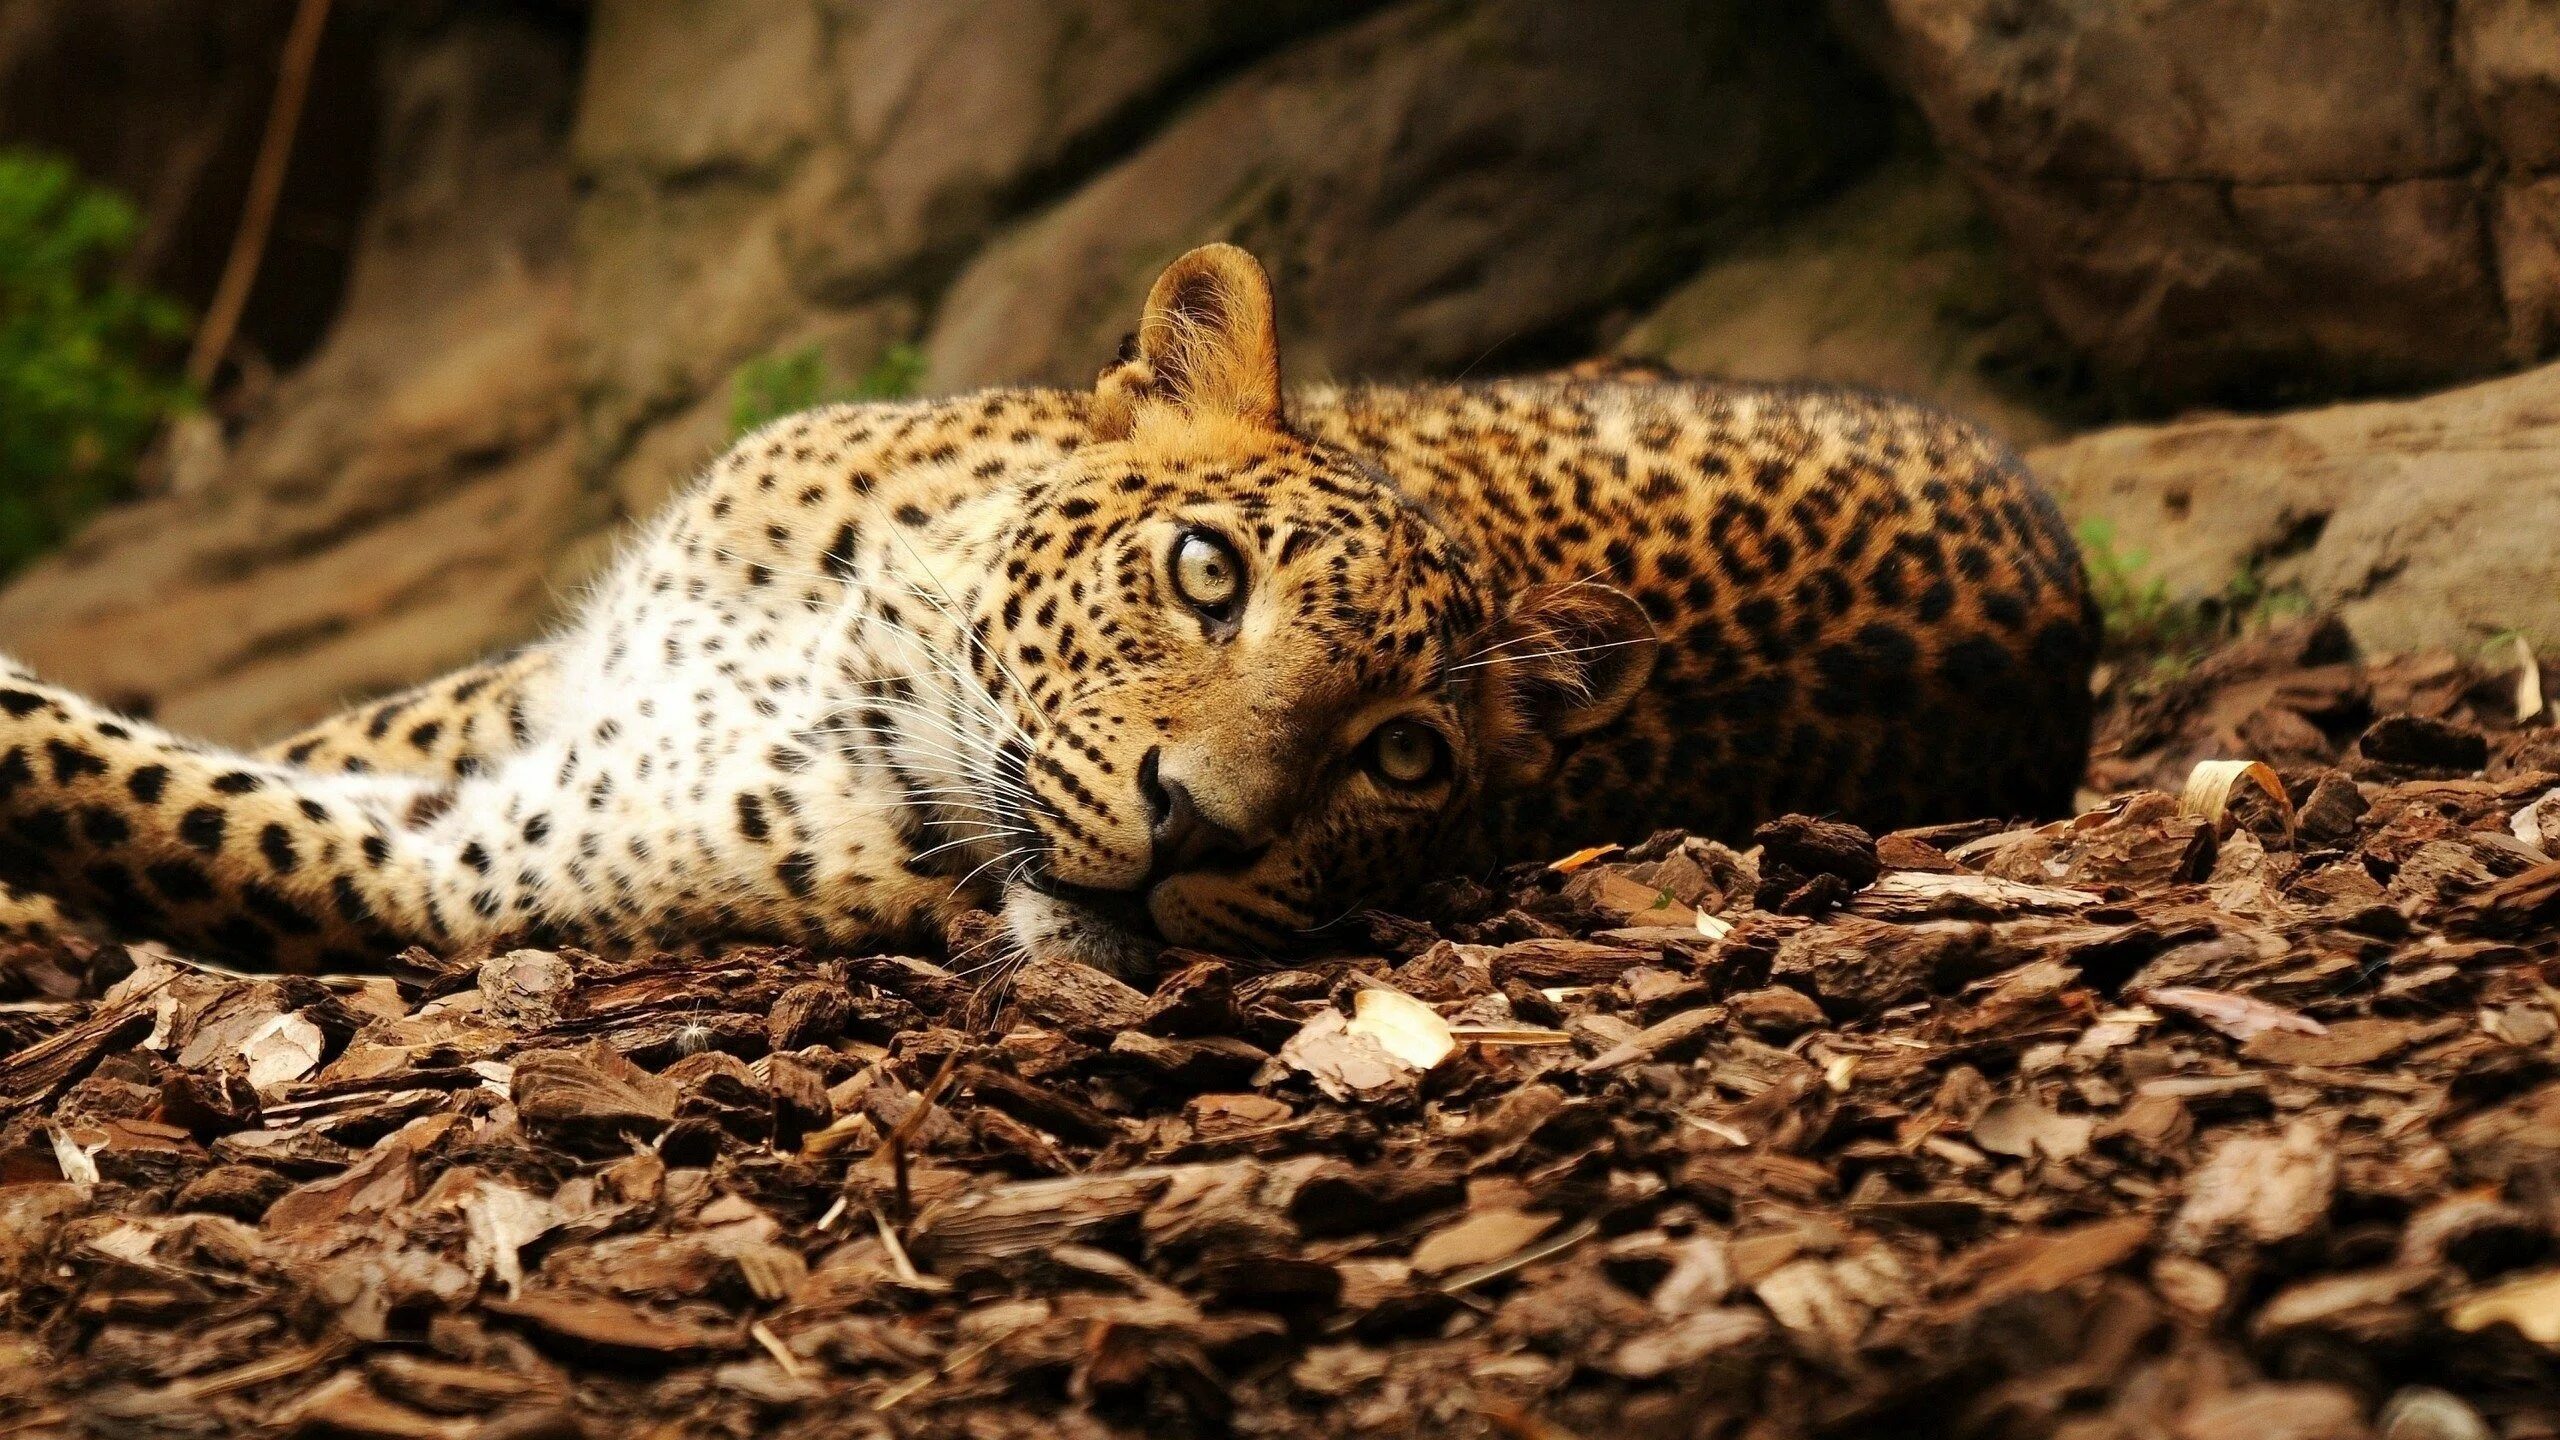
(950, 609)
(964, 880)
(968, 840)
(1552, 654)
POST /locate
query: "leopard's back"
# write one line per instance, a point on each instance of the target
(1868, 607)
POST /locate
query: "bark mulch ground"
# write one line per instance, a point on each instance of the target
(2219, 1118)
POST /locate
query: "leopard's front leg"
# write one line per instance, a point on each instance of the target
(216, 853)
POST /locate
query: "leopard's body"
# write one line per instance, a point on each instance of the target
(885, 662)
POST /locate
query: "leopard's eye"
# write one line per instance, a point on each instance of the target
(1407, 752)
(1207, 574)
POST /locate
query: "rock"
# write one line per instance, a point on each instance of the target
(2424, 523)
(391, 508)
(818, 174)
(1434, 185)
(2346, 195)
(578, 228)
(1896, 283)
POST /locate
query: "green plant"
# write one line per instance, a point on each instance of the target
(2145, 623)
(788, 381)
(2141, 617)
(85, 357)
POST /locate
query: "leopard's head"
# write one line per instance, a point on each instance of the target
(1253, 683)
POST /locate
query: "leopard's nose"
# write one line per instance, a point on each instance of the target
(1184, 839)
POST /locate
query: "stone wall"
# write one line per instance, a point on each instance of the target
(562, 230)
(399, 502)
(568, 249)
(2425, 524)
(1436, 184)
(2261, 201)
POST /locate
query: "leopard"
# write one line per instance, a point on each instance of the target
(1185, 660)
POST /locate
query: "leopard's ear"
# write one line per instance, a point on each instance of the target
(1207, 345)
(1565, 660)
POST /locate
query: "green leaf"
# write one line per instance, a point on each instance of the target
(87, 359)
(789, 381)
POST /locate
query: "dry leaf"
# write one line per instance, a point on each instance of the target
(2238, 1016)
(2350, 1042)
(2260, 1189)
(1580, 858)
(1344, 1063)
(1691, 1342)
(1403, 1026)
(282, 1051)
(2210, 784)
(2531, 1304)
(1530, 1036)
(2538, 824)
(1917, 894)
(503, 1221)
(1479, 1239)
(2022, 1129)
(77, 1162)
(595, 1323)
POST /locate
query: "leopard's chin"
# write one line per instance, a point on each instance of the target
(1106, 930)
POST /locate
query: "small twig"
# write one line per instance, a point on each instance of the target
(781, 1353)
(266, 187)
(898, 1257)
(916, 1384)
(906, 1131)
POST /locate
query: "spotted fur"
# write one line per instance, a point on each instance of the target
(884, 662)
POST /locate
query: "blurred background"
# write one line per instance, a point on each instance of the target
(2260, 285)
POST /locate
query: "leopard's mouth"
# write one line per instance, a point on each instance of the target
(1122, 909)
(1108, 930)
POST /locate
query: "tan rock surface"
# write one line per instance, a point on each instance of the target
(824, 168)
(1896, 283)
(2426, 522)
(567, 256)
(1437, 187)
(2262, 199)
(391, 509)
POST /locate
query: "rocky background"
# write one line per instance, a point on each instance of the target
(2261, 283)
